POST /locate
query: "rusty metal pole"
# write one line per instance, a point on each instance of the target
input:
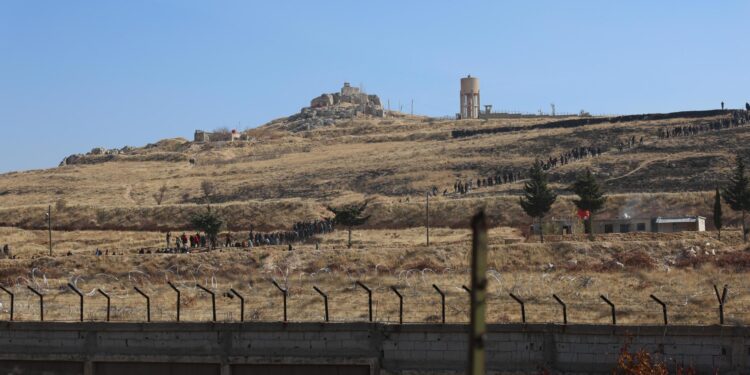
(284, 293)
(612, 306)
(41, 302)
(663, 308)
(400, 305)
(722, 298)
(242, 304)
(478, 326)
(80, 296)
(325, 301)
(49, 227)
(107, 297)
(442, 300)
(564, 307)
(369, 298)
(427, 217)
(148, 303)
(178, 298)
(12, 300)
(213, 299)
(523, 307)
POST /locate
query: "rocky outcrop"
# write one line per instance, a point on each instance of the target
(326, 109)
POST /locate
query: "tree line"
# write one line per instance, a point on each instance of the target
(537, 198)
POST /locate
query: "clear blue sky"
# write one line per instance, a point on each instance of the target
(80, 74)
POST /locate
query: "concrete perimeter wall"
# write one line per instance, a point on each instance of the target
(353, 348)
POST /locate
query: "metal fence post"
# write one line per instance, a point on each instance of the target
(284, 293)
(12, 300)
(41, 302)
(478, 292)
(213, 299)
(369, 298)
(722, 298)
(663, 307)
(107, 297)
(442, 300)
(178, 298)
(612, 305)
(565, 308)
(325, 301)
(523, 307)
(400, 305)
(242, 304)
(148, 303)
(80, 296)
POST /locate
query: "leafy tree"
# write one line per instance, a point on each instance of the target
(737, 193)
(537, 197)
(717, 212)
(208, 188)
(590, 196)
(350, 216)
(159, 195)
(208, 222)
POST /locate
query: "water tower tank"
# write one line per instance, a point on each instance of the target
(469, 97)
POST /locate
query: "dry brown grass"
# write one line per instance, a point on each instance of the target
(577, 271)
(280, 178)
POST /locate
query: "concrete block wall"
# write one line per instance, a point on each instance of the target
(379, 347)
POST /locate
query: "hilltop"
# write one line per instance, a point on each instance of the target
(279, 173)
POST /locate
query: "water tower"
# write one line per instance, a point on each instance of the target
(469, 97)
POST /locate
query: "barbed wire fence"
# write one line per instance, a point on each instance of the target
(416, 300)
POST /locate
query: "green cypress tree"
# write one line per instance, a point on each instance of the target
(737, 193)
(537, 197)
(208, 222)
(717, 212)
(350, 216)
(590, 196)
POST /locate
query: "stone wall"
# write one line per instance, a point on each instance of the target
(356, 348)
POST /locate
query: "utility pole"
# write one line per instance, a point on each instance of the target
(49, 227)
(427, 218)
(412, 107)
(553, 109)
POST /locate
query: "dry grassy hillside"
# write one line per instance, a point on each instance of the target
(280, 177)
(681, 269)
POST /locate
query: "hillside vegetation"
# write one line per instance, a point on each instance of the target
(277, 177)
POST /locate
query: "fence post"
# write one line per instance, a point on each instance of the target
(565, 308)
(612, 305)
(369, 298)
(722, 298)
(663, 307)
(107, 297)
(178, 298)
(523, 307)
(12, 300)
(478, 292)
(325, 300)
(41, 302)
(213, 299)
(283, 292)
(80, 296)
(442, 300)
(148, 303)
(242, 304)
(400, 305)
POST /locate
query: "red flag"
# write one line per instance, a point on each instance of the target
(583, 214)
